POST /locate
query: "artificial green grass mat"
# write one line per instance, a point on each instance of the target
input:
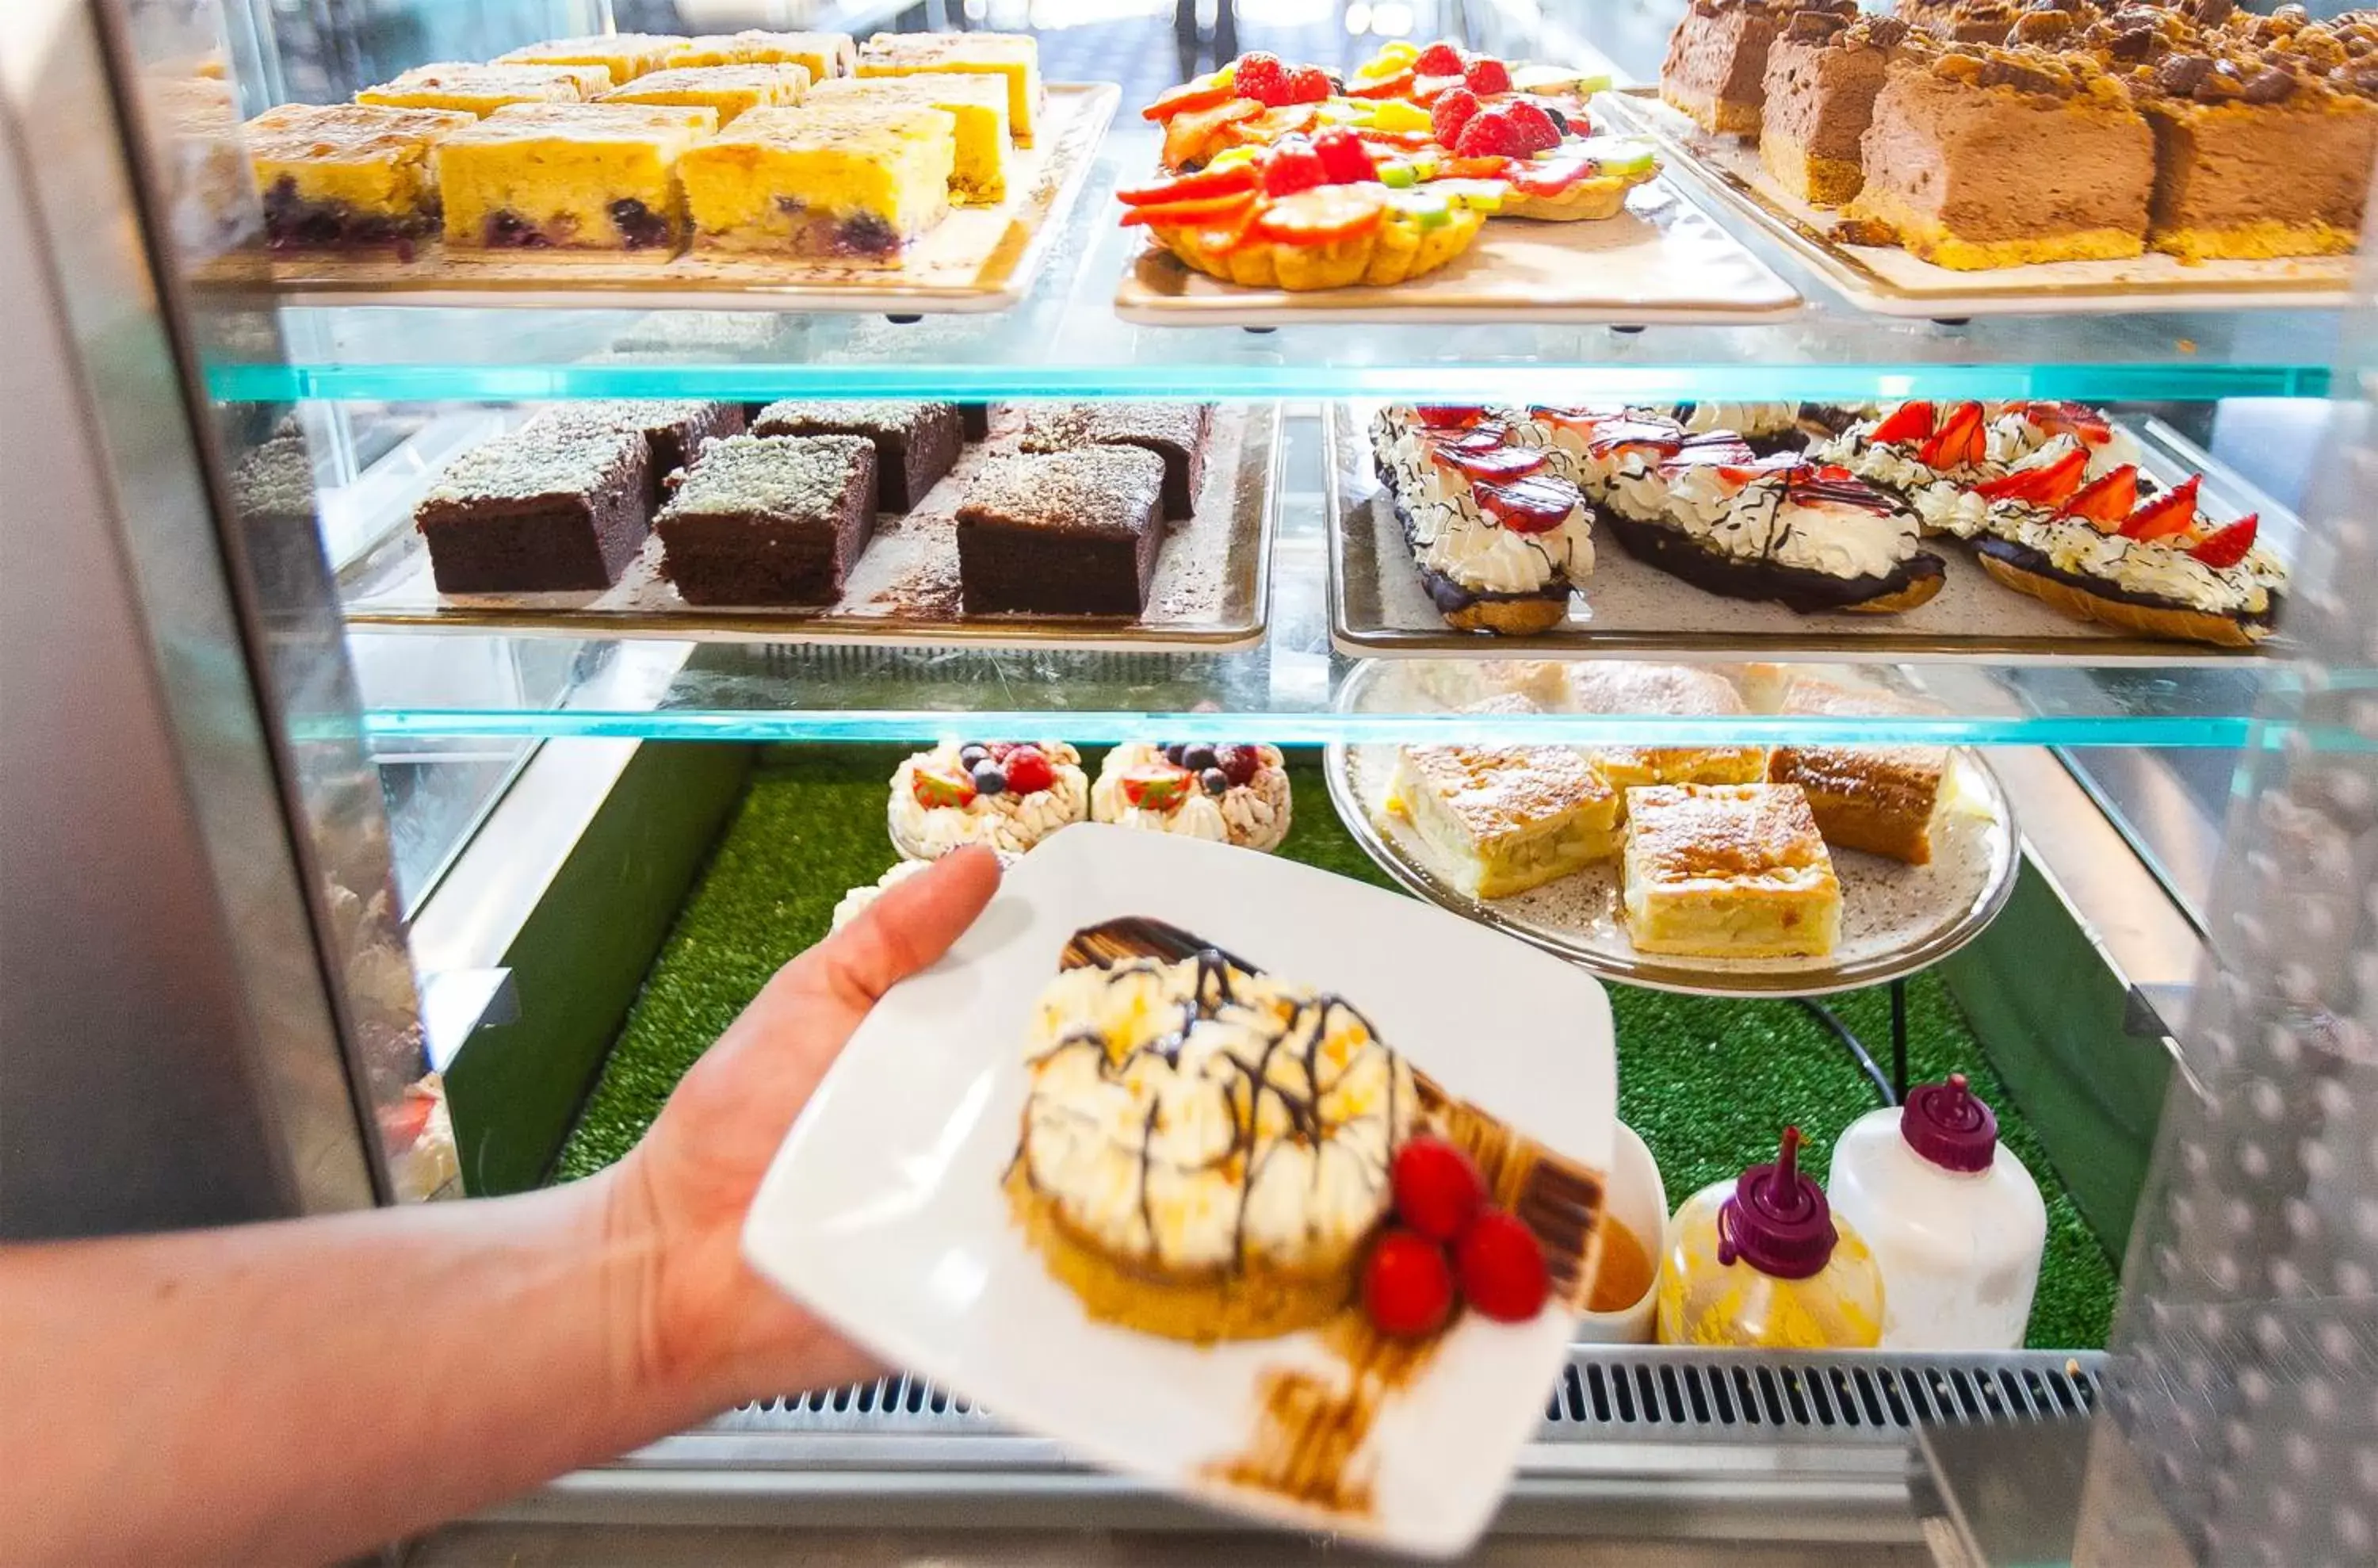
(1709, 1083)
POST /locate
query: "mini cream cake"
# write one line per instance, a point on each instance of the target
(343, 174)
(1728, 871)
(623, 55)
(483, 89)
(1503, 819)
(1239, 797)
(729, 89)
(1204, 1152)
(935, 808)
(1500, 535)
(1623, 686)
(978, 176)
(1015, 57)
(823, 55)
(587, 176)
(830, 180)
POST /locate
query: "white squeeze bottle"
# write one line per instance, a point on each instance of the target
(1954, 1221)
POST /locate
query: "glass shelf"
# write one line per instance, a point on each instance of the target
(1065, 341)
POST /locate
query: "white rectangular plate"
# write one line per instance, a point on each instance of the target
(1379, 608)
(1211, 591)
(976, 258)
(884, 1211)
(1661, 260)
(1890, 282)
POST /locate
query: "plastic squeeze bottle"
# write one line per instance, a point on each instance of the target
(1762, 1263)
(1954, 1220)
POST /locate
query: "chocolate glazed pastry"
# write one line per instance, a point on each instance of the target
(1916, 580)
(1507, 614)
(2027, 570)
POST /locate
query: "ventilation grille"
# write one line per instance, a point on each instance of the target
(1636, 1394)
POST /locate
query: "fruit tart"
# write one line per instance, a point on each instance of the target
(1500, 537)
(1227, 794)
(1306, 213)
(1807, 535)
(1209, 1152)
(1007, 794)
(2159, 566)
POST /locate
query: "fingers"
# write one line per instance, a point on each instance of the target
(906, 929)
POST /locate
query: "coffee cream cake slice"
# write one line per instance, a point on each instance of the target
(1499, 820)
(1204, 1149)
(1728, 870)
(1882, 799)
(839, 181)
(1981, 157)
(1716, 65)
(1823, 76)
(578, 176)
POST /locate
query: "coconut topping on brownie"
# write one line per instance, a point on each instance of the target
(770, 476)
(1068, 492)
(561, 459)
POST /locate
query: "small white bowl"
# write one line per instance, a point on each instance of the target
(1639, 1199)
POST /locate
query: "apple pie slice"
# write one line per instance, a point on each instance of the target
(1503, 819)
(1728, 871)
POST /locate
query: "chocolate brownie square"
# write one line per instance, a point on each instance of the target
(1065, 533)
(673, 428)
(1174, 431)
(769, 519)
(915, 443)
(539, 510)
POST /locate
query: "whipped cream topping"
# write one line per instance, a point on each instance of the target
(1591, 447)
(1011, 822)
(1254, 815)
(1752, 420)
(2013, 434)
(857, 901)
(1771, 518)
(1453, 536)
(2150, 567)
(1893, 465)
(1198, 1118)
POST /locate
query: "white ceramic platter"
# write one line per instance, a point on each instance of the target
(884, 1211)
(1891, 282)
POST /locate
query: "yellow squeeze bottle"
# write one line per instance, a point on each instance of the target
(1759, 1262)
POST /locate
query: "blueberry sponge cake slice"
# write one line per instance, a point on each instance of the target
(1012, 57)
(348, 175)
(977, 104)
(854, 184)
(581, 176)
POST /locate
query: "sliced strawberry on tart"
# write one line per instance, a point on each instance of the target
(1499, 535)
(2157, 566)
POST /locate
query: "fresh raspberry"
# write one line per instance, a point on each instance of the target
(1486, 75)
(1543, 134)
(1028, 770)
(1491, 133)
(1307, 84)
(1439, 59)
(1451, 111)
(1261, 77)
(1406, 1289)
(1437, 1189)
(1239, 764)
(1502, 1268)
(1342, 154)
(1293, 166)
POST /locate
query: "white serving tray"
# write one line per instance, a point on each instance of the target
(884, 1211)
(1890, 282)
(1661, 260)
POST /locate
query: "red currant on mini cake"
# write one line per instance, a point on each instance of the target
(1006, 794)
(1226, 794)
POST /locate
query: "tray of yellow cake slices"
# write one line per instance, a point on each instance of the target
(980, 250)
(1723, 869)
(1889, 281)
(1188, 1121)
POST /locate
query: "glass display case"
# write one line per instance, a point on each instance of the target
(459, 885)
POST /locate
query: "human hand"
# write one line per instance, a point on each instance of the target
(699, 1318)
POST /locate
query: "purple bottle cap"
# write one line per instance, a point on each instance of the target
(1778, 1221)
(1947, 1125)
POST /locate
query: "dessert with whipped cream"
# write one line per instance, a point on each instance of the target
(1205, 1149)
(1006, 794)
(1500, 535)
(2096, 551)
(1227, 794)
(1808, 535)
(1931, 456)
